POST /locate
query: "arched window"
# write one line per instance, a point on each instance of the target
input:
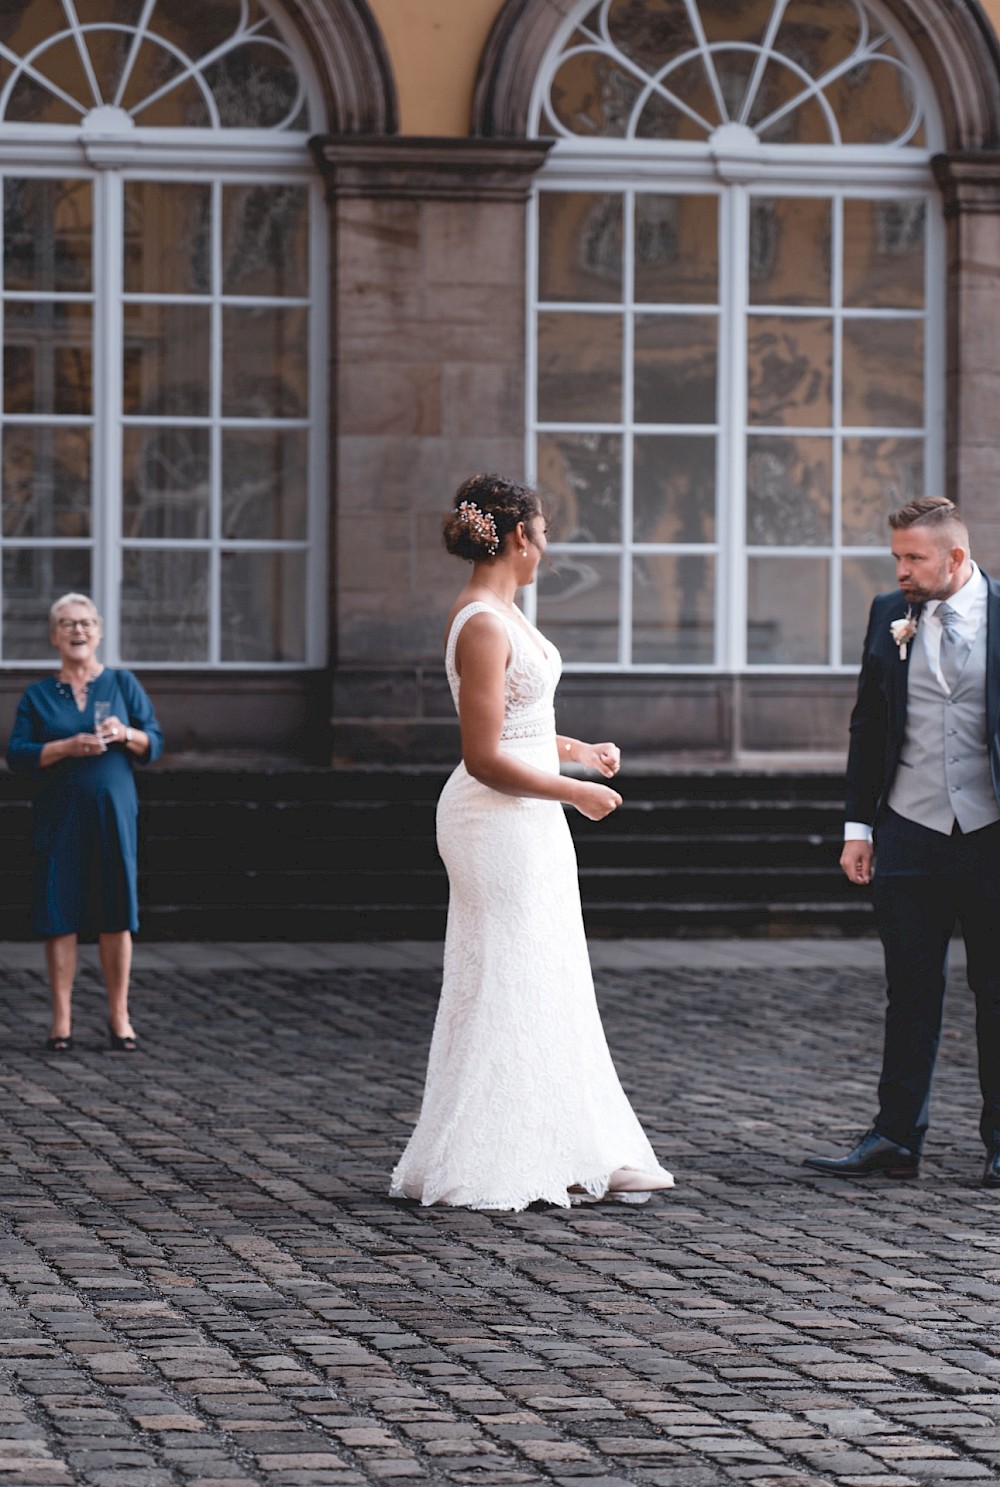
(737, 346)
(162, 276)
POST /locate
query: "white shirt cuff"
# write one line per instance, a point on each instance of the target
(856, 831)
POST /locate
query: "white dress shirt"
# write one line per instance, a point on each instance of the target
(969, 603)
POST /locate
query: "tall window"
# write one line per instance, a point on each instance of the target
(737, 345)
(162, 267)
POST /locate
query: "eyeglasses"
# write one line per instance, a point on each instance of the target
(77, 624)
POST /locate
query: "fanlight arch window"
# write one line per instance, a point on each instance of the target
(802, 73)
(163, 264)
(166, 63)
(736, 346)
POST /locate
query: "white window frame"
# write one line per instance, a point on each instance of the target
(108, 156)
(726, 165)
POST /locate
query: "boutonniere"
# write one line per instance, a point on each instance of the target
(904, 630)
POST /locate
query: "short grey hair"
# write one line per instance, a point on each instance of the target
(72, 599)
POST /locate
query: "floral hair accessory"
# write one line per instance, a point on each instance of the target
(904, 630)
(481, 525)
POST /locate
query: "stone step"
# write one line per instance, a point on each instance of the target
(326, 855)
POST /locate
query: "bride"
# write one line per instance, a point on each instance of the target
(522, 1102)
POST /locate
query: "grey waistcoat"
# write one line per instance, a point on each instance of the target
(944, 769)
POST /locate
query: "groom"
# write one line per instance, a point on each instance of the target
(924, 772)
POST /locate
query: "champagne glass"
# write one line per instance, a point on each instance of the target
(102, 711)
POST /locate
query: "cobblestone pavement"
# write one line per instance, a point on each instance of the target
(202, 1282)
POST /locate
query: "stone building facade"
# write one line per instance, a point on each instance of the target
(720, 278)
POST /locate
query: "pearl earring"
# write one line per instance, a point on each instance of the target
(524, 552)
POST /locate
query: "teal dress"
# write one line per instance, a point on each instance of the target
(86, 808)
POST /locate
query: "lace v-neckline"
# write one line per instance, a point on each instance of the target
(519, 621)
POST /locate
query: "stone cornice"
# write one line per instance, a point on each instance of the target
(426, 169)
(969, 181)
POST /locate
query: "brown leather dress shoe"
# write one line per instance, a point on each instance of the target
(873, 1153)
(991, 1172)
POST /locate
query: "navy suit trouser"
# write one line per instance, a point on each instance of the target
(924, 884)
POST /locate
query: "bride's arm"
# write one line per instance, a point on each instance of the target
(481, 657)
(602, 758)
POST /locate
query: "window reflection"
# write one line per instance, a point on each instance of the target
(790, 370)
(167, 482)
(878, 475)
(33, 578)
(579, 368)
(265, 240)
(884, 253)
(46, 481)
(264, 484)
(788, 602)
(47, 357)
(166, 359)
(789, 491)
(168, 240)
(263, 619)
(581, 476)
(578, 605)
(861, 580)
(265, 367)
(673, 488)
(676, 362)
(673, 609)
(47, 234)
(164, 604)
(790, 250)
(580, 246)
(676, 249)
(884, 373)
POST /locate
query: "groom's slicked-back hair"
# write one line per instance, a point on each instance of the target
(935, 512)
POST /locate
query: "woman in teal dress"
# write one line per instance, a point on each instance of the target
(85, 812)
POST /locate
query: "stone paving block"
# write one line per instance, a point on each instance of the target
(202, 1281)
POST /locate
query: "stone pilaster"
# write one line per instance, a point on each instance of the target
(429, 337)
(970, 185)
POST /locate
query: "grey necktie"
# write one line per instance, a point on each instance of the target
(954, 649)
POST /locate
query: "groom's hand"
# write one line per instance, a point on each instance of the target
(856, 860)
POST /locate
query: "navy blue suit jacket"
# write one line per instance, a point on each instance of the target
(879, 717)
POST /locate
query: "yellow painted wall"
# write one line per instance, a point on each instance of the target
(435, 47)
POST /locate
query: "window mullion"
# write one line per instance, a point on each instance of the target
(215, 409)
(626, 572)
(319, 276)
(529, 599)
(733, 276)
(108, 393)
(935, 349)
(836, 464)
(3, 426)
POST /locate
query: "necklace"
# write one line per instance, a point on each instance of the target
(509, 603)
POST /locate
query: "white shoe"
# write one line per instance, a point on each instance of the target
(633, 1180)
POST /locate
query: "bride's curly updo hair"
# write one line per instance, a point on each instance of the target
(486, 508)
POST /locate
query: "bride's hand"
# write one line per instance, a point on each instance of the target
(603, 758)
(595, 801)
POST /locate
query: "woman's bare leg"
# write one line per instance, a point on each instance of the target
(116, 963)
(60, 962)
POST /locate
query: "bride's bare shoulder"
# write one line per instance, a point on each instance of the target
(487, 616)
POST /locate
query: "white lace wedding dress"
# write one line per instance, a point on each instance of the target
(522, 1101)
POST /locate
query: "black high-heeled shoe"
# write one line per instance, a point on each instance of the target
(125, 1044)
(62, 1044)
